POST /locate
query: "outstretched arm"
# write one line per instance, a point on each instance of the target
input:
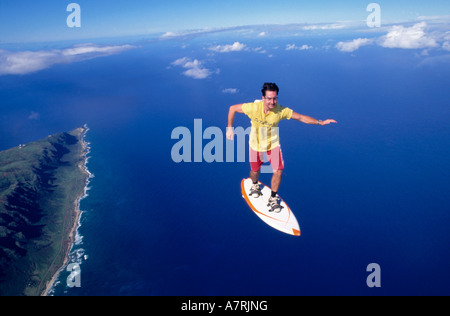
(231, 113)
(309, 120)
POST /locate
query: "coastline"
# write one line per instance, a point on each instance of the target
(76, 211)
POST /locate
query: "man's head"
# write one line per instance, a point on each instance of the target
(270, 95)
(268, 86)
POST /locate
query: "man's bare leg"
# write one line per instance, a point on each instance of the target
(276, 180)
(254, 176)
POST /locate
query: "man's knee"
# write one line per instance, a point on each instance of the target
(278, 173)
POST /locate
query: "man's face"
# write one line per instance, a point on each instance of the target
(270, 100)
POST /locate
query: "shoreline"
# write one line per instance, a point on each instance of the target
(76, 211)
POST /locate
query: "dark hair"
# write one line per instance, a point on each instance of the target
(268, 86)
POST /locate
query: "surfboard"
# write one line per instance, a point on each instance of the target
(284, 221)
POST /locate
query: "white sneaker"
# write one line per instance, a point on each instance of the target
(255, 190)
(274, 204)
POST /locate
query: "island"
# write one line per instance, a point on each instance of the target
(41, 184)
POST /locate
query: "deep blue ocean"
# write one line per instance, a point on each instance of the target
(371, 189)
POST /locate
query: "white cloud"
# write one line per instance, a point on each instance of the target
(172, 35)
(290, 46)
(418, 36)
(169, 35)
(199, 32)
(25, 62)
(295, 47)
(180, 61)
(413, 37)
(197, 73)
(97, 50)
(446, 46)
(259, 50)
(349, 47)
(195, 68)
(230, 91)
(235, 47)
(335, 26)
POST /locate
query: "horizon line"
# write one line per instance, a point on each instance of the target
(195, 32)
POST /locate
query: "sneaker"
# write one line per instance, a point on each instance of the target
(255, 190)
(274, 204)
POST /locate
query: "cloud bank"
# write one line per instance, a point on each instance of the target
(25, 62)
(408, 37)
(418, 36)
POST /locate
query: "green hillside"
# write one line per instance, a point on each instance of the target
(40, 184)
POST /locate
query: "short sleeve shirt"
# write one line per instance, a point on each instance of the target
(264, 134)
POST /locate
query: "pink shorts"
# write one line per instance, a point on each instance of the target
(274, 156)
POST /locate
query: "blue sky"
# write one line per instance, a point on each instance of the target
(405, 24)
(45, 20)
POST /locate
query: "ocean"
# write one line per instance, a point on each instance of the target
(371, 189)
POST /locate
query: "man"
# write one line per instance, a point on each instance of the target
(265, 116)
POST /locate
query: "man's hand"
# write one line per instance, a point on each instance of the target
(326, 122)
(230, 133)
(310, 120)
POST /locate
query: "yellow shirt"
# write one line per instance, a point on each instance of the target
(264, 134)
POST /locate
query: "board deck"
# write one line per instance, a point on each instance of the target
(284, 221)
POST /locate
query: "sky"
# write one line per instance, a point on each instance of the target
(24, 21)
(404, 24)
